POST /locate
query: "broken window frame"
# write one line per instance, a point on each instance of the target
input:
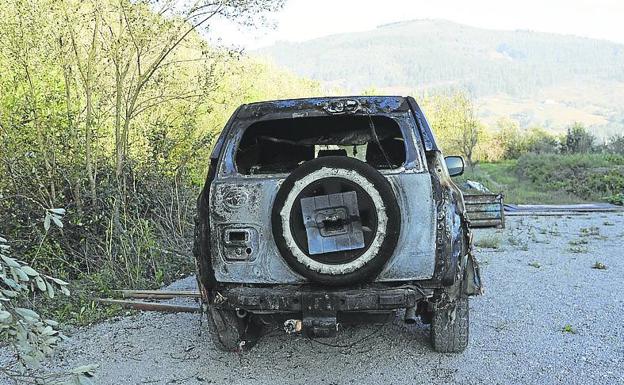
(414, 151)
(281, 145)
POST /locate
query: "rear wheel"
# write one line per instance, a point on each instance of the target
(449, 326)
(231, 333)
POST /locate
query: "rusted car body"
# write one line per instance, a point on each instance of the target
(321, 211)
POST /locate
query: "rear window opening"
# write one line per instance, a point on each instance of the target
(280, 146)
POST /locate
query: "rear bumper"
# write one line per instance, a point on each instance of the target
(309, 299)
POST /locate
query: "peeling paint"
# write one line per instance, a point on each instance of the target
(376, 242)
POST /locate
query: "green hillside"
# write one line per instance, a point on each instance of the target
(537, 78)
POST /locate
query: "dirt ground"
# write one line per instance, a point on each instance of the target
(548, 317)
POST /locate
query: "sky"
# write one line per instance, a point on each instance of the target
(307, 19)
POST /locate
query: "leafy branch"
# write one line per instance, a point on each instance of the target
(31, 336)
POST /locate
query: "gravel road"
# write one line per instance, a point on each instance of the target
(547, 317)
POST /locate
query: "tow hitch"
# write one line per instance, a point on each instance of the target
(319, 315)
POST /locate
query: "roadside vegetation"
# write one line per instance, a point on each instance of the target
(554, 178)
(529, 166)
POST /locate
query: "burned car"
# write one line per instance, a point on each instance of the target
(325, 211)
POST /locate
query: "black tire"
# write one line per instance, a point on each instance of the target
(231, 333)
(426, 314)
(450, 325)
(374, 180)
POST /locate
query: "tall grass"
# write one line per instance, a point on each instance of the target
(551, 178)
(587, 176)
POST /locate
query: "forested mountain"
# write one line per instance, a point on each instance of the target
(537, 78)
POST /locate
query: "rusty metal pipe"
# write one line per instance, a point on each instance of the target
(149, 306)
(156, 294)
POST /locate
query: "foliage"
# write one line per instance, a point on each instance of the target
(599, 266)
(511, 139)
(587, 176)
(553, 178)
(31, 336)
(454, 123)
(615, 145)
(540, 141)
(502, 177)
(489, 242)
(616, 199)
(578, 140)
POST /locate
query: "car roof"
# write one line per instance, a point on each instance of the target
(318, 98)
(371, 104)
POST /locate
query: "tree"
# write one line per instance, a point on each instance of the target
(578, 139)
(468, 128)
(511, 138)
(144, 49)
(615, 145)
(540, 141)
(82, 56)
(455, 123)
(24, 34)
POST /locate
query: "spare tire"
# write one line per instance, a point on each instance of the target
(377, 215)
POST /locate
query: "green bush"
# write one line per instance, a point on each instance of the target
(615, 145)
(578, 140)
(588, 176)
(153, 248)
(554, 178)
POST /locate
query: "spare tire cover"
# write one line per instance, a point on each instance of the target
(377, 217)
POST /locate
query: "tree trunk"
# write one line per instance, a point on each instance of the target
(119, 147)
(88, 148)
(42, 139)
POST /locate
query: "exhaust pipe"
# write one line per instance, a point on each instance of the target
(410, 315)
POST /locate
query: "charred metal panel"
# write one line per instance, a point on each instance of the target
(294, 108)
(216, 151)
(485, 210)
(240, 243)
(414, 256)
(250, 201)
(290, 298)
(423, 126)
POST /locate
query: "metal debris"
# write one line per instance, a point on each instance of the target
(156, 294)
(150, 306)
(561, 210)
